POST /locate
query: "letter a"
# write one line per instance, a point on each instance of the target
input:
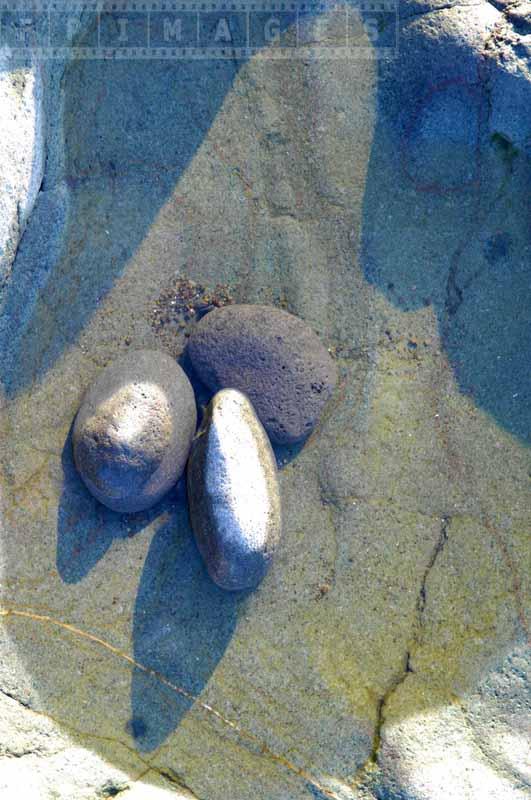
(222, 31)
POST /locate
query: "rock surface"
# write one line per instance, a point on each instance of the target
(21, 155)
(271, 356)
(233, 493)
(389, 634)
(133, 431)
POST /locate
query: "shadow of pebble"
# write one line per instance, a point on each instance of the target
(286, 453)
(182, 625)
(182, 620)
(85, 527)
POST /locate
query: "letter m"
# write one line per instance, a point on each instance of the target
(172, 29)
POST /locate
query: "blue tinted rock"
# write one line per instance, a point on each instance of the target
(133, 431)
(233, 493)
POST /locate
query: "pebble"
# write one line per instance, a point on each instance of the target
(271, 356)
(233, 493)
(133, 431)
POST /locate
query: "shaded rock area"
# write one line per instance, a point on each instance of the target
(385, 202)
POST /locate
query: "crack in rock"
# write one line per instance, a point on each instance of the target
(441, 542)
(406, 665)
(7, 753)
(175, 779)
(16, 698)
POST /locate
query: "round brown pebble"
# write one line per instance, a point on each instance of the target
(274, 358)
(133, 431)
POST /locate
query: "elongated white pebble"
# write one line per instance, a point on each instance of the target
(233, 492)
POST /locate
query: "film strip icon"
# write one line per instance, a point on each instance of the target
(193, 29)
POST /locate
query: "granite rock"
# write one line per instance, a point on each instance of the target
(273, 357)
(474, 748)
(133, 431)
(233, 493)
(21, 154)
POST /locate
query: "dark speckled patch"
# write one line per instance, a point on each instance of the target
(497, 247)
